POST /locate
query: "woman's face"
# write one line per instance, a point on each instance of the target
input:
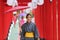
(29, 18)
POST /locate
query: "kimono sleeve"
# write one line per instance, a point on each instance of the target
(36, 32)
(22, 33)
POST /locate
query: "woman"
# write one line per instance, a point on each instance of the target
(29, 30)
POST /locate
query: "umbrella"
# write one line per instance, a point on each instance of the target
(17, 8)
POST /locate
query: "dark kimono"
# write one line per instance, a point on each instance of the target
(29, 27)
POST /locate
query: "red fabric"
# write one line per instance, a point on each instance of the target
(48, 20)
(45, 17)
(19, 1)
(1, 21)
(58, 19)
(54, 20)
(38, 19)
(1, 24)
(7, 21)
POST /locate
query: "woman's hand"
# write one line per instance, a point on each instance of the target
(38, 38)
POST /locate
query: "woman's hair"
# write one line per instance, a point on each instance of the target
(28, 15)
(14, 14)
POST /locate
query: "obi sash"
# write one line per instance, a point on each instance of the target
(29, 34)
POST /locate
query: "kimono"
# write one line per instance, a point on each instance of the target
(29, 27)
(14, 32)
(14, 29)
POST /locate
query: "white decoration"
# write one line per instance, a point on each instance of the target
(36, 1)
(28, 10)
(32, 5)
(12, 2)
(40, 2)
